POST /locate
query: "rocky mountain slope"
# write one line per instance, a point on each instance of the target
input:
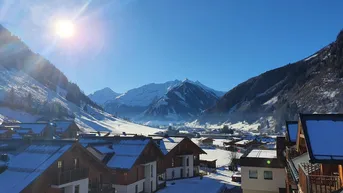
(103, 95)
(135, 101)
(32, 89)
(183, 102)
(307, 86)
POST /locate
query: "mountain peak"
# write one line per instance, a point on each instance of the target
(103, 95)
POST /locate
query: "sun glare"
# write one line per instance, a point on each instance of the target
(65, 28)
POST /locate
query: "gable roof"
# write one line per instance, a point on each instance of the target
(167, 144)
(292, 131)
(124, 151)
(62, 126)
(323, 134)
(37, 158)
(36, 128)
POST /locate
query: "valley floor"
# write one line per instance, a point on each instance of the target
(212, 183)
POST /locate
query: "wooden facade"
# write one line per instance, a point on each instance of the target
(312, 177)
(86, 166)
(185, 147)
(150, 153)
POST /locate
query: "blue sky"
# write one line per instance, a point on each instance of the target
(123, 44)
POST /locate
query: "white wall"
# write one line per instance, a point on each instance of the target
(177, 173)
(177, 170)
(70, 187)
(150, 178)
(260, 184)
(131, 188)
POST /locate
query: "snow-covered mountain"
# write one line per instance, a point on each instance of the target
(135, 101)
(33, 89)
(103, 95)
(183, 102)
(311, 85)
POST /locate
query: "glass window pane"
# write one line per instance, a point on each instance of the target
(253, 174)
(268, 175)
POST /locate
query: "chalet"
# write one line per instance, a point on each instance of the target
(35, 130)
(206, 141)
(262, 171)
(6, 133)
(181, 157)
(135, 162)
(50, 166)
(65, 129)
(314, 163)
(208, 165)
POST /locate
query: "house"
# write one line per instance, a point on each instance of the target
(6, 133)
(206, 141)
(65, 129)
(135, 162)
(208, 165)
(262, 172)
(49, 166)
(181, 157)
(314, 163)
(35, 130)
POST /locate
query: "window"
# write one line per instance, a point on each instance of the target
(173, 174)
(253, 174)
(173, 162)
(77, 189)
(76, 163)
(59, 164)
(136, 188)
(187, 172)
(268, 175)
(152, 171)
(187, 161)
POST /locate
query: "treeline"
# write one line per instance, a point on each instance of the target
(15, 54)
(13, 100)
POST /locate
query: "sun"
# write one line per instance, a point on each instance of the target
(65, 28)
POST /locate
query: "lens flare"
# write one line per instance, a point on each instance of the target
(65, 28)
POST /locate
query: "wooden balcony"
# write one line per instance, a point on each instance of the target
(291, 152)
(70, 176)
(311, 181)
(101, 188)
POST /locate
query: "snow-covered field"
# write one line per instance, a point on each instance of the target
(211, 183)
(92, 120)
(223, 157)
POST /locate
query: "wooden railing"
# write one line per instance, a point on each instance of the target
(291, 152)
(101, 188)
(70, 176)
(311, 181)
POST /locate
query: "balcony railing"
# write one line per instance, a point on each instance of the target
(311, 181)
(70, 176)
(291, 152)
(101, 188)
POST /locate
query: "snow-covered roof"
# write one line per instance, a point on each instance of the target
(36, 128)
(125, 151)
(292, 130)
(260, 153)
(3, 131)
(26, 166)
(16, 136)
(243, 142)
(323, 134)
(223, 157)
(168, 143)
(62, 126)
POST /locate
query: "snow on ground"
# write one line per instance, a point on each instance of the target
(211, 183)
(223, 157)
(309, 58)
(271, 101)
(92, 120)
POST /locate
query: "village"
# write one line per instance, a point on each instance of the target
(57, 157)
